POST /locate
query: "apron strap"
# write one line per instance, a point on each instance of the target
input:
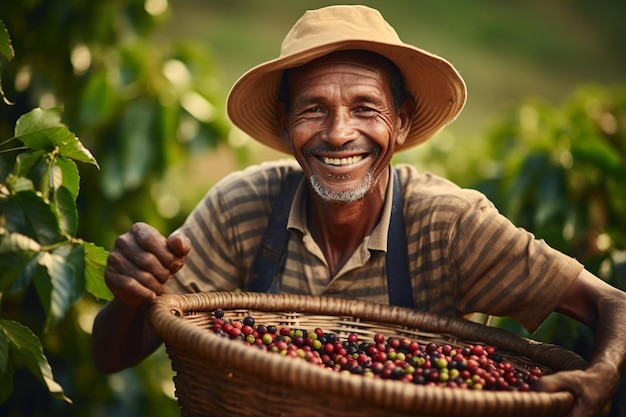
(399, 284)
(272, 253)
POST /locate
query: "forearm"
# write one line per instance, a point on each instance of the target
(609, 346)
(122, 336)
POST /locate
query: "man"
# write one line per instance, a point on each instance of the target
(346, 94)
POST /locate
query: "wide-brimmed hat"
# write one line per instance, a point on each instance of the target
(435, 85)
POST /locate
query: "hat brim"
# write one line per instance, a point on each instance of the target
(435, 85)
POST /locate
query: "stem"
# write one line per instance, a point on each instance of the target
(19, 148)
(8, 140)
(72, 241)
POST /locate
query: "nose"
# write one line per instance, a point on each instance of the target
(340, 128)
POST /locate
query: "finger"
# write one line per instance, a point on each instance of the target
(548, 383)
(561, 381)
(131, 291)
(180, 245)
(120, 269)
(151, 241)
(130, 259)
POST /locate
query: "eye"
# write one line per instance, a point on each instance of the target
(315, 109)
(313, 112)
(365, 111)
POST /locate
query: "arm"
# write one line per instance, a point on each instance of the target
(601, 307)
(140, 263)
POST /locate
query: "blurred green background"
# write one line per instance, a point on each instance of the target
(143, 85)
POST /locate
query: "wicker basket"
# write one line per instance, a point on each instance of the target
(216, 376)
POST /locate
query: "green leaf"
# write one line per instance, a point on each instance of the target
(28, 214)
(6, 49)
(16, 253)
(62, 283)
(95, 263)
(41, 129)
(16, 184)
(70, 177)
(67, 213)
(31, 164)
(26, 348)
(49, 176)
(74, 257)
(43, 285)
(16, 242)
(27, 272)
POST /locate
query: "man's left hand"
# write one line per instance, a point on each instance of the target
(592, 388)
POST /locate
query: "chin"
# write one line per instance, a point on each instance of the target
(341, 196)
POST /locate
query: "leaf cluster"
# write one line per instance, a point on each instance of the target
(559, 171)
(140, 101)
(39, 184)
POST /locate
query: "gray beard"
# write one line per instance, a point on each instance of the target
(348, 196)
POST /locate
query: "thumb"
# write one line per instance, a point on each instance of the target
(554, 382)
(179, 244)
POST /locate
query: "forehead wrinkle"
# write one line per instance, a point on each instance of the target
(310, 91)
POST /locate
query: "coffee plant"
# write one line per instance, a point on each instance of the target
(39, 184)
(559, 171)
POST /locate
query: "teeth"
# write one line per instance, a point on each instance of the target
(342, 161)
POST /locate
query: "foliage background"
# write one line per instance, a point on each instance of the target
(143, 85)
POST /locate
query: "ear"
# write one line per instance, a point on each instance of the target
(403, 122)
(281, 120)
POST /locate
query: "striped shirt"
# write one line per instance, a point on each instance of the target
(464, 256)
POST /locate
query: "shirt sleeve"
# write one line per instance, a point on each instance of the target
(503, 270)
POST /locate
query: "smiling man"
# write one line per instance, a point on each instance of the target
(339, 119)
(342, 98)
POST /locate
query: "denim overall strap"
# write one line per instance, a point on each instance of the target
(397, 259)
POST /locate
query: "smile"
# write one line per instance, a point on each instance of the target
(342, 161)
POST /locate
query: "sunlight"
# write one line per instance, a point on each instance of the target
(81, 59)
(155, 7)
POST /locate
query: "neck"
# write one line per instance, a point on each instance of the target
(339, 228)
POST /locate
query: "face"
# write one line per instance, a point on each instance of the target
(342, 126)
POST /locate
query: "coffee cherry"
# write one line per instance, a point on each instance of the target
(267, 339)
(474, 366)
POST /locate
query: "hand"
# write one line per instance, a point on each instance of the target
(141, 261)
(592, 388)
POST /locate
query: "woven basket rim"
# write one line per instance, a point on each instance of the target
(166, 313)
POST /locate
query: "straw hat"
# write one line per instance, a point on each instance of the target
(437, 88)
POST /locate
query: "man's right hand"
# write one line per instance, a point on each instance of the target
(141, 261)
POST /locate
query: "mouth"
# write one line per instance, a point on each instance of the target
(342, 161)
